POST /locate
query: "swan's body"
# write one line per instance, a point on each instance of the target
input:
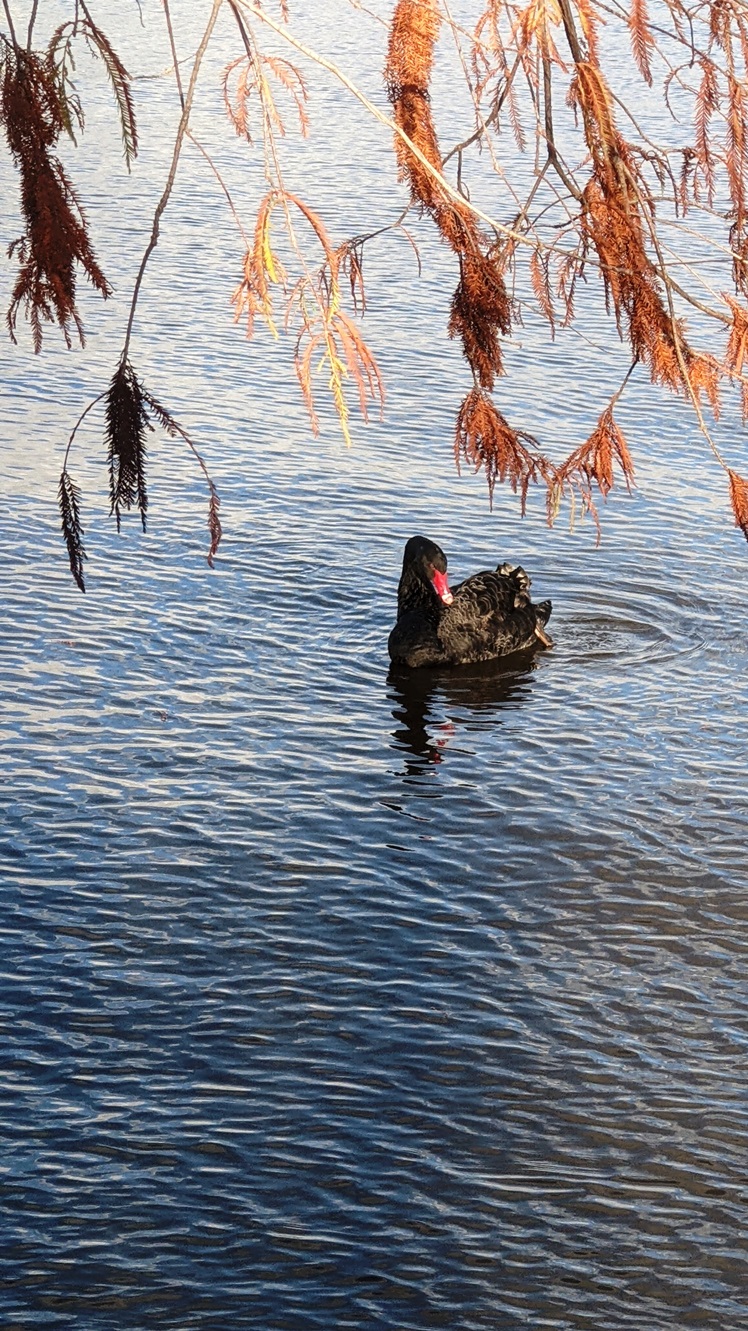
(489, 614)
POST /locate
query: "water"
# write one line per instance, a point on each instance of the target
(332, 998)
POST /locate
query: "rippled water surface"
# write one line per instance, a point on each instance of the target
(332, 998)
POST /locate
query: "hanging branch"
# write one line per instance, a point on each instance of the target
(9, 20)
(126, 424)
(68, 498)
(173, 428)
(129, 407)
(172, 44)
(161, 205)
(127, 400)
(35, 112)
(739, 500)
(435, 172)
(32, 21)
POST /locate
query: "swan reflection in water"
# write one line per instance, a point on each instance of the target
(423, 703)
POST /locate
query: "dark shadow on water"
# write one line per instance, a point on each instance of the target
(431, 707)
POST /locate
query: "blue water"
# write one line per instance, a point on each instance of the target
(331, 998)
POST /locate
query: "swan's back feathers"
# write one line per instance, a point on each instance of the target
(491, 615)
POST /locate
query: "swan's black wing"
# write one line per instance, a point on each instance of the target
(491, 615)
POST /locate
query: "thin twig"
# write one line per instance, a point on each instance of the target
(172, 44)
(32, 21)
(383, 119)
(626, 378)
(572, 36)
(490, 119)
(243, 31)
(9, 17)
(77, 425)
(221, 182)
(550, 140)
(172, 170)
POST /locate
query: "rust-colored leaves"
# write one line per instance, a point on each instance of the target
(594, 459)
(327, 336)
(481, 308)
(642, 40)
(38, 104)
(739, 501)
(245, 79)
(592, 464)
(56, 237)
(410, 57)
(485, 439)
(736, 358)
(612, 224)
(410, 51)
(534, 27)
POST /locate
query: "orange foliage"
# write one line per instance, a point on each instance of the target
(608, 213)
(481, 308)
(592, 464)
(594, 459)
(614, 229)
(541, 285)
(325, 332)
(244, 78)
(410, 56)
(616, 221)
(736, 357)
(703, 377)
(739, 501)
(484, 438)
(410, 51)
(642, 40)
(534, 25)
(589, 21)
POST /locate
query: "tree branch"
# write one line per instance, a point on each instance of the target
(553, 156)
(383, 119)
(172, 44)
(172, 170)
(32, 21)
(490, 119)
(571, 32)
(9, 17)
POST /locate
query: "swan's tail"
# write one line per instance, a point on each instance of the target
(516, 572)
(542, 615)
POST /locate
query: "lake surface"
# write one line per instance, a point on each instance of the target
(332, 999)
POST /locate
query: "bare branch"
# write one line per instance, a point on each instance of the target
(172, 170)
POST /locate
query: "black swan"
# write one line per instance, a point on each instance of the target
(487, 615)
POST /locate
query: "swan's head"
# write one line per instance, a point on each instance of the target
(428, 561)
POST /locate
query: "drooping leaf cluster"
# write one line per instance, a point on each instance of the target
(130, 410)
(56, 238)
(68, 497)
(612, 202)
(39, 103)
(127, 420)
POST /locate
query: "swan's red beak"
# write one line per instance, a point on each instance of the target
(441, 587)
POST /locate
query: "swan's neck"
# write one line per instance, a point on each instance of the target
(413, 594)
